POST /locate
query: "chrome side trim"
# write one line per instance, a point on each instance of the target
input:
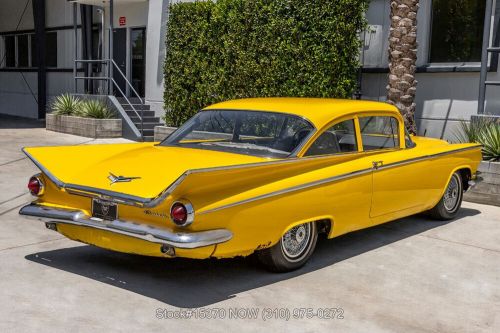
(184, 240)
(425, 157)
(131, 200)
(292, 189)
(155, 201)
(376, 167)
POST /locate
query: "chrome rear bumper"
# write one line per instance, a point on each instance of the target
(184, 240)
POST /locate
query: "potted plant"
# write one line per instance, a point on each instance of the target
(486, 131)
(85, 117)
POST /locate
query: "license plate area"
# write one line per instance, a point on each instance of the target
(104, 210)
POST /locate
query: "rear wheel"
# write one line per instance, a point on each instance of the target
(450, 203)
(292, 251)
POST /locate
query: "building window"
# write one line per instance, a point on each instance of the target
(22, 51)
(457, 31)
(10, 51)
(50, 50)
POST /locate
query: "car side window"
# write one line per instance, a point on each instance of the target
(379, 132)
(340, 138)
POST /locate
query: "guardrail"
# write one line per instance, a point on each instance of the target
(112, 64)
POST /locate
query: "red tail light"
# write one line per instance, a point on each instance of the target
(182, 213)
(35, 186)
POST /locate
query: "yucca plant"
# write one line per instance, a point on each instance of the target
(94, 108)
(65, 104)
(490, 139)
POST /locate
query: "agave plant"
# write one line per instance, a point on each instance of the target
(490, 139)
(483, 131)
(470, 131)
(93, 108)
(65, 104)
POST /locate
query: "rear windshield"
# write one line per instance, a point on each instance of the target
(257, 133)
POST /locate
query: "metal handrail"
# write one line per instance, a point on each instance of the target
(135, 92)
(111, 62)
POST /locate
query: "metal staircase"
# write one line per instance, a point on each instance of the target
(135, 110)
(487, 50)
(149, 121)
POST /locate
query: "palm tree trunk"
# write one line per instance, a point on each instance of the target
(402, 59)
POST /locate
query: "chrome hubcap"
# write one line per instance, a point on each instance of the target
(451, 196)
(294, 243)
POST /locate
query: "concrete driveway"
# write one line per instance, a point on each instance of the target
(411, 275)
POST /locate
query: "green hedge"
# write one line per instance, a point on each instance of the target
(231, 49)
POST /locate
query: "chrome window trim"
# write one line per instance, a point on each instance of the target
(131, 200)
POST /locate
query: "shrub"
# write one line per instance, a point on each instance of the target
(256, 48)
(94, 108)
(65, 104)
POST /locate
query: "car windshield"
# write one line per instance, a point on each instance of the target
(257, 133)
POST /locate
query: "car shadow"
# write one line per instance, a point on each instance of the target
(189, 283)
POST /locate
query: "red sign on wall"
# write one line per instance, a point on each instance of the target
(122, 21)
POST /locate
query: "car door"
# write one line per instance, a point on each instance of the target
(398, 185)
(348, 200)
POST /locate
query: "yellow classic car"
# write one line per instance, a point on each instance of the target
(262, 176)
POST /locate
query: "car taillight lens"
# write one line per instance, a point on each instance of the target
(35, 186)
(182, 213)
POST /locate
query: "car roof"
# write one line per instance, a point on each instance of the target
(319, 111)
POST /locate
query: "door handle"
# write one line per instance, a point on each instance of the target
(377, 164)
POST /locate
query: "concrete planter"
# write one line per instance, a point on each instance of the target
(87, 127)
(161, 132)
(486, 191)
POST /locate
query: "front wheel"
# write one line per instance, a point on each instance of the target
(292, 251)
(447, 208)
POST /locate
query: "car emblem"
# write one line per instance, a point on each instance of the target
(120, 179)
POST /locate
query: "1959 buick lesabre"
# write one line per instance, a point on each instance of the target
(254, 175)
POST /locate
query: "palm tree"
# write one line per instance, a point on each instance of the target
(402, 59)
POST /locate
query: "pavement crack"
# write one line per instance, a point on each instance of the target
(13, 161)
(460, 243)
(17, 196)
(11, 209)
(30, 244)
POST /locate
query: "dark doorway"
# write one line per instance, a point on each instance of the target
(120, 57)
(138, 58)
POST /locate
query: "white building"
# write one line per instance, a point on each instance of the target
(447, 90)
